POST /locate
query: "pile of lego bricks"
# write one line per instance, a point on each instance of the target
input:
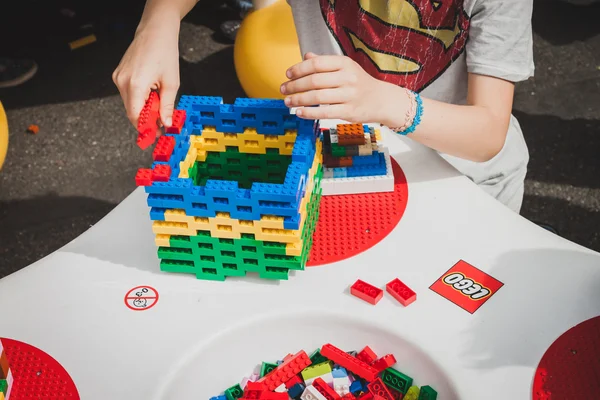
(328, 374)
(234, 189)
(353, 154)
(6, 377)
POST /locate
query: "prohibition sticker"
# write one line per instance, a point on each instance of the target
(141, 298)
(466, 286)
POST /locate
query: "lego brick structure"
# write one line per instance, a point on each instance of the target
(234, 188)
(355, 161)
(6, 376)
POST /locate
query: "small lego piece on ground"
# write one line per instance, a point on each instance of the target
(366, 292)
(401, 292)
(33, 129)
(84, 41)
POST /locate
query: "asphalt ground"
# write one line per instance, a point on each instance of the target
(58, 183)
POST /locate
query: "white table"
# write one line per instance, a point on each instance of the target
(201, 337)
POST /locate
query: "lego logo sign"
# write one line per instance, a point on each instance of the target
(466, 286)
(141, 298)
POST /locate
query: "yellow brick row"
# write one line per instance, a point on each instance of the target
(268, 228)
(247, 142)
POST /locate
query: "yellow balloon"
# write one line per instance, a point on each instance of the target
(266, 45)
(3, 135)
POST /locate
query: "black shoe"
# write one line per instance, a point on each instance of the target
(16, 72)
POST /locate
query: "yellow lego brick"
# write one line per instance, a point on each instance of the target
(293, 249)
(313, 371)
(1, 396)
(163, 240)
(251, 142)
(188, 162)
(171, 228)
(230, 139)
(377, 134)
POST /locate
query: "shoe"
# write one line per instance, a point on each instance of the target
(16, 72)
(230, 29)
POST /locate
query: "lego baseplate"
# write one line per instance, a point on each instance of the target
(331, 185)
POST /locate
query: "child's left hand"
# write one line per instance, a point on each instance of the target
(342, 88)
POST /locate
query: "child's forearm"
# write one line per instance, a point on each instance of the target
(165, 11)
(474, 132)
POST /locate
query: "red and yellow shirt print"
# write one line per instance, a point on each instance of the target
(406, 42)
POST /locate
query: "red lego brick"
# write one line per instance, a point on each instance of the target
(286, 371)
(178, 121)
(366, 396)
(367, 355)
(274, 396)
(143, 177)
(379, 391)
(395, 394)
(147, 122)
(366, 292)
(253, 391)
(349, 396)
(164, 148)
(324, 389)
(352, 364)
(161, 173)
(293, 381)
(384, 362)
(401, 292)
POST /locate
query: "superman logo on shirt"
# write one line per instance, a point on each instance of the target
(409, 43)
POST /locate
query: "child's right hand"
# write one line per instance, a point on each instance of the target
(150, 63)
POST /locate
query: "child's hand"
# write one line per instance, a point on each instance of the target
(339, 83)
(150, 63)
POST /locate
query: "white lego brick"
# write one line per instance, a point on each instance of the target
(334, 137)
(9, 382)
(327, 173)
(281, 388)
(342, 385)
(311, 393)
(362, 184)
(328, 378)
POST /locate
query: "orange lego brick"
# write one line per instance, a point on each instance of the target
(345, 161)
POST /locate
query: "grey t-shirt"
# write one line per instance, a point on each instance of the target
(430, 46)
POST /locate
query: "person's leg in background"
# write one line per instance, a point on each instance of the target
(14, 72)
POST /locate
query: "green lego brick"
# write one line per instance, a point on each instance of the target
(216, 258)
(3, 386)
(396, 380)
(312, 371)
(317, 358)
(337, 150)
(427, 393)
(266, 368)
(234, 392)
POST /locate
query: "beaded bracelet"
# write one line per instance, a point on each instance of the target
(413, 114)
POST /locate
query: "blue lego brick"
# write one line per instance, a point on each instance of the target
(296, 391)
(339, 372)
(180, 186)
(165, 201)
(221, 397)
(372, 159)
(340, 172)
(357, 386)
(157, 214)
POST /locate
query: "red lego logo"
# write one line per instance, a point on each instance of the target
(466, 286)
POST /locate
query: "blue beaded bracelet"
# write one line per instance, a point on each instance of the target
(418, 115)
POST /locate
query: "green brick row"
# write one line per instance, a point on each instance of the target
(216, 258)
(243, 168)
(3, 386)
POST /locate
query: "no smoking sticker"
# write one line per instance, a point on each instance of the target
(466, 286)
(141, 298)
